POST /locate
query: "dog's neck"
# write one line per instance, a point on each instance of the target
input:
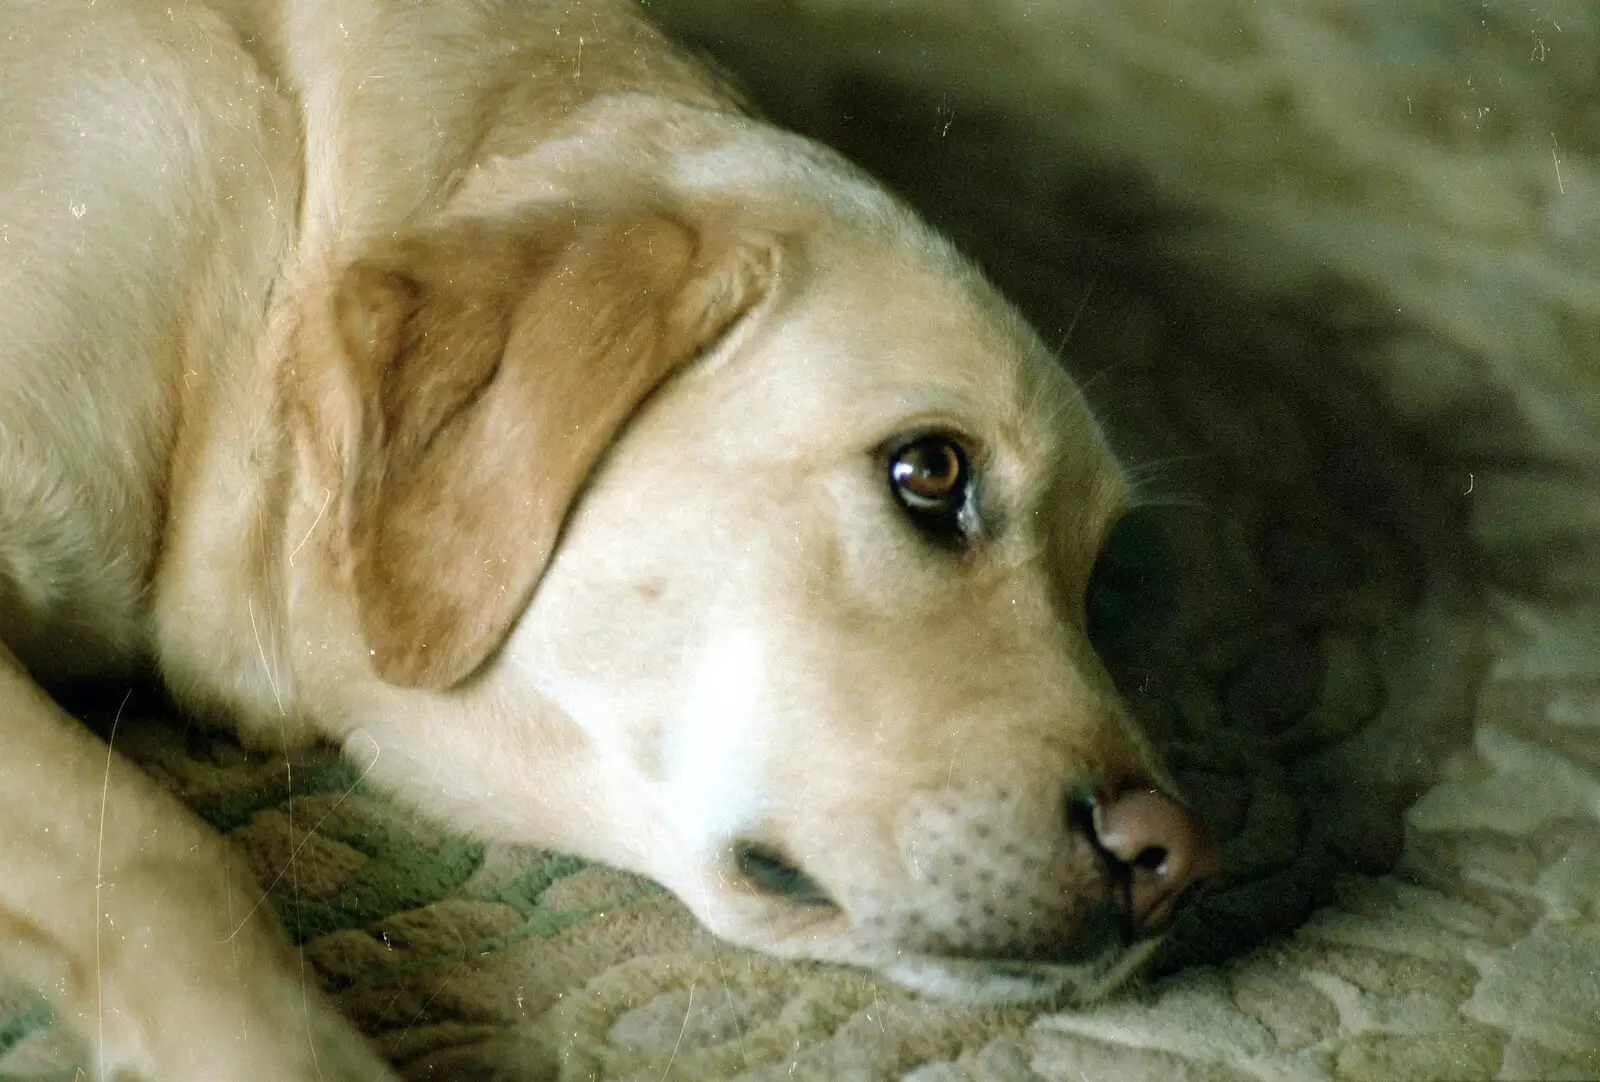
(217, 603)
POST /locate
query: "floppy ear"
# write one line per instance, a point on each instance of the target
(489, 368)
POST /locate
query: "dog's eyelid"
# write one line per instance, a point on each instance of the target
(908, 433)
(959, 527)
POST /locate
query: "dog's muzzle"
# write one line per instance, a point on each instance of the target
(1011, 875)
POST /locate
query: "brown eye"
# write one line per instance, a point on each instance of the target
(932, 479)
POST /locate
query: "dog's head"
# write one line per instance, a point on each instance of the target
(751, 556)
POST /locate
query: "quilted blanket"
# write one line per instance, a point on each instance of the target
(1327, 270)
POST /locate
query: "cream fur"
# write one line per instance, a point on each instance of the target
(735, 631)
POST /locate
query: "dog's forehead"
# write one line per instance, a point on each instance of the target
(871, 334)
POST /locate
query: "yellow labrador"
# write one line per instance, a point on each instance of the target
(477, 386)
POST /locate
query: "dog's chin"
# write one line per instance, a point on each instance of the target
(993, 983)
(824, 934)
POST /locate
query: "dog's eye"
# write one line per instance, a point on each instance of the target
(772, 874)
(932, 479)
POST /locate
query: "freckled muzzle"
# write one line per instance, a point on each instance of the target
(1039, 876)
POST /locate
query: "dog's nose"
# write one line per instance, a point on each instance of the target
(1158, 848)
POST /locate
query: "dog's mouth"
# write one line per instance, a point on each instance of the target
(981, 942)
(783, 910)
(770, 872)
(997, 982)
(950, 972)
(1101, 952)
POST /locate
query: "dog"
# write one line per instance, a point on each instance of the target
(481, 387)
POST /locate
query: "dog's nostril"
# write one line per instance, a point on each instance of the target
(1159, 848)
(771, 873)
(1151, 859)
(1080, 811)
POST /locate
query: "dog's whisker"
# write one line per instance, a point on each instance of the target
(1077, 315)
(1141, 475)
(1091, 384)
(1191, 502)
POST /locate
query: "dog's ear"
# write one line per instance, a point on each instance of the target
(486, 370)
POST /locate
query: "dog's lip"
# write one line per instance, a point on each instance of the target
(783, 919)
(998, 982)
(1103, 933)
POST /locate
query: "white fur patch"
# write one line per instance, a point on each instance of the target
(715, 754)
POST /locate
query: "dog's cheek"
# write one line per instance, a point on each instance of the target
(607, 652)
